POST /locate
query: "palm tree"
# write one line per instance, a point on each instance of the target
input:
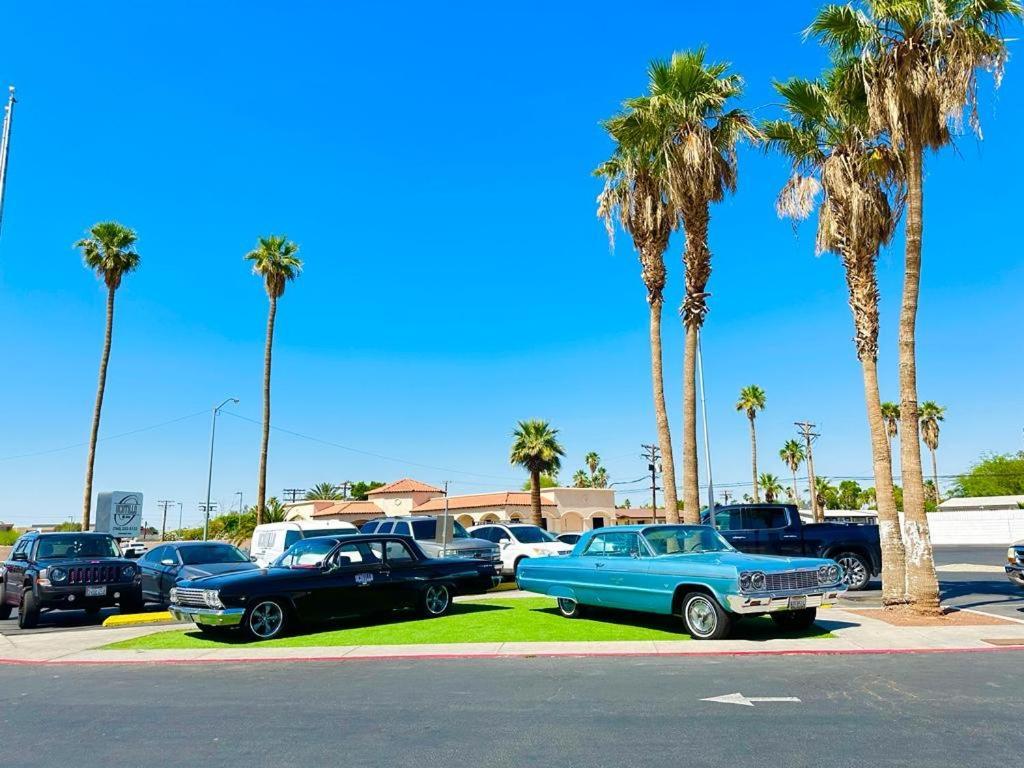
(931, 414)
(324, 492)
(581, 479)
(685, 114)
(770, 485)
(891, 417)
(275, 261)
(109, 251)
(537, 450)
(752, 399)
(593, 461)
(600, 478)
(792, 455)
(822, 490)
(827, 138)
(920, 60)
(635, 196)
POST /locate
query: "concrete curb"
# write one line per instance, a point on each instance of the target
(138, 619)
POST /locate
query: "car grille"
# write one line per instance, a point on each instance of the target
(483, 554)
(94, 574)
(1020, 554)
(790, 580)
(193, 597)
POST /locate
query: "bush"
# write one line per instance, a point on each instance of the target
(8, 537)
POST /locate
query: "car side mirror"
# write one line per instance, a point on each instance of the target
(504, 543)
(167, 561)
(19, 556)
(252, 558)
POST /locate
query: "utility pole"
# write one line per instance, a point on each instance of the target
(5, 146)
(293, 492)
(180, 507)
(653, 453)
(164, 504)
(726, 494)
(807, 430)
(344, 486)
(444, 535)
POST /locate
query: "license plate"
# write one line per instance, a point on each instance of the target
(797, 602)
(95, 591)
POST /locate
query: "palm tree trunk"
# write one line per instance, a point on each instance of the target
(796, 493)
(753, 458)
(535, 516)
(922, 584)
(97, 408)
(935, 476)
(893, 554)
(691, 492)
(668, 471)
(261, 489)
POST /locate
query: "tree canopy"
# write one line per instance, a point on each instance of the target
(993, 475)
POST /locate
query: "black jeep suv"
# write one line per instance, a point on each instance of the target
(66, 571)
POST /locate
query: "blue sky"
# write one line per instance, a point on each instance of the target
(433, 162)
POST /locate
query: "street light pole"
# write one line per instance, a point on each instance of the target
(209, 474)
(5, 146)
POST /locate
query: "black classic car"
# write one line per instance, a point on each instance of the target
(776, 529)
(329, 578)
(67, 571)
(162, 566)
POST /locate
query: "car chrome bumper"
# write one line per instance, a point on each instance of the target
(1015, 573)
(767, 602)
(226, 617)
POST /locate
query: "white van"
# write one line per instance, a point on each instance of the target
(270, 540)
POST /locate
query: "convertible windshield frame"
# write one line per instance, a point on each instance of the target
(710, 535)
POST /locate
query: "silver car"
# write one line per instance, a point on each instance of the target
(423, 528)
(1015, 563)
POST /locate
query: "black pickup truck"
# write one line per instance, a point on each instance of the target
(776, 529)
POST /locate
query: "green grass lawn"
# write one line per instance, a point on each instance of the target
(493, 620)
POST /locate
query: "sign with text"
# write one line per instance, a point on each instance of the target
(119, 513)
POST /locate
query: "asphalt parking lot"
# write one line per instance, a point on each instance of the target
(830, 711)
(988, 591)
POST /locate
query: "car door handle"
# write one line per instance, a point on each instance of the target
(738, 538)
(599, 565)
(790, 536)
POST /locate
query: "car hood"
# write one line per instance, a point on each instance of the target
(78, 562)
(744, 562)
(554, 547)
(241, 579)
(458, 544)
(199, 570)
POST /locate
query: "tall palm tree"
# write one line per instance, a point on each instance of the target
(275, 261)
(891, 417)
(324, 492)
(600, 478)
(931, 414)
(593, 461)
(771, 486)
(580, 479)
(822, 490)
(109, 251)
(833, 150)
(792, 455)
(752, 399)
(634, 194)
(920, 62)
(535, 447)
(687, 112)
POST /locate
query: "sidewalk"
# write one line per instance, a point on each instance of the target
(852, 634)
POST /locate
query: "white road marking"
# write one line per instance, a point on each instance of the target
(749, 701)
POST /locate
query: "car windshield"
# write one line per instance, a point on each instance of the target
(685, 539)
(306, 554)
(211, 553)
(531, 534)
(76, 546)
(425, 530)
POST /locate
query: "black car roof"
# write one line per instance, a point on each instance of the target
(67, 533)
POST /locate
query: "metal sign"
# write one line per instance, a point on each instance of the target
(119, 513)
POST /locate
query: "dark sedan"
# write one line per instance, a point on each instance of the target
(162, 566)
(329, 578)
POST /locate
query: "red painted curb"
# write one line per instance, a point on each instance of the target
(522, 655)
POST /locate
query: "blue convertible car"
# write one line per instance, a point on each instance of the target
(684, 570)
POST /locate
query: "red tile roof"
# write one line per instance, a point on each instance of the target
(478, 500)
(367, 508)
(405, 485)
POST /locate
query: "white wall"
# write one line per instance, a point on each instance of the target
(983, 526)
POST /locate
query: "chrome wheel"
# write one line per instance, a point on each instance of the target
(701, 617)
(567, 607)
(855, 572)
(437, 600)
(266, 619)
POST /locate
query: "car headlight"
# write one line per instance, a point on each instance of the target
(745, 581)
(57, 575)
(128, 572)
(835, 573)
(212, 598)
(757, 581)
(1011, 555)
(824, 576)
(174, 595)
